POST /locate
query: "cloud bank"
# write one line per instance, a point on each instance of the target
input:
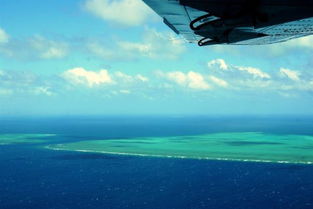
(154, 45)
(125, 12)
(217, 76)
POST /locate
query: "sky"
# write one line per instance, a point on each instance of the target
(116, 57)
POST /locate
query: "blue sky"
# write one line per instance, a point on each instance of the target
(99, 57)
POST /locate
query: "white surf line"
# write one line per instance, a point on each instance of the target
(181, 156)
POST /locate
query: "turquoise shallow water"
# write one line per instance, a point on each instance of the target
(6, 139)
(240, 146)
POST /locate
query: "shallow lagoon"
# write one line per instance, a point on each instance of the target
(237, 146)
(6, 139)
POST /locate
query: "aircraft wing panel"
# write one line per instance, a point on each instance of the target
(283, 32)
(176, 16)
(237, 22)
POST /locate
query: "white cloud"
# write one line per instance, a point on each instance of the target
(4, 37)
(242, 78)
(293, 75)
(48, 49)
(218, 81)
(254, 71)
(126, 12)
(269, 51)
(160, 45)
(218, 63)
(88, 78)
(243, 84)
(281, 48)
(154, 45)
(104, 78)
(196, 81)
(25, 83)
(250, 78)
(43, 90)
(191, 79)
(124, 77)
(36, 47)
(101, 51)
(101, 81)
(178, 77)
(130, 78)
(304, 42)
(219, 66)
(142, 78)
(125, 91)
(136, 47)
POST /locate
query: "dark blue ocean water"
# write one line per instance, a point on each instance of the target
(31, 177)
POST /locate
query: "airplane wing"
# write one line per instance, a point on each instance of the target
(240, 22)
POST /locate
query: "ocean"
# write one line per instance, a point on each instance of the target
(33, 177)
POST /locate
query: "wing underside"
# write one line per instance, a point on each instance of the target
(271, 23)
(177, 17)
